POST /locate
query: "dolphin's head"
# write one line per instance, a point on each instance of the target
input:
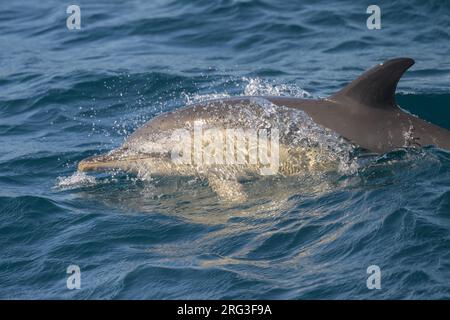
(127, 159)
(119, 159)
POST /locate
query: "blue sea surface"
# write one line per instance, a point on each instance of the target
(69, 94)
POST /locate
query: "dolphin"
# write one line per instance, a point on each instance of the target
(311, 134)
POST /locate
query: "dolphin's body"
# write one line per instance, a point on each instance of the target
(364, 113)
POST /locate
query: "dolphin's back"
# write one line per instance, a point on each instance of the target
(365, 112)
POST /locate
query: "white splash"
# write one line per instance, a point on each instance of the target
(253, 87)
(76, 180)
(196, 98)
(260, 87)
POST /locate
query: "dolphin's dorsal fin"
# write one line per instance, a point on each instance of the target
(376, 87)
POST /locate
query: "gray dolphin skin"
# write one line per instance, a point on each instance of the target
(364, 113)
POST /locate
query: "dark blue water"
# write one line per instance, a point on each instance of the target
(66, 95)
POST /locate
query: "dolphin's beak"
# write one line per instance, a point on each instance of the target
(115, 159)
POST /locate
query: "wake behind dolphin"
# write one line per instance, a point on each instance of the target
(226, 139)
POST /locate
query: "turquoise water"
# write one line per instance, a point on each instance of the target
(66, 95)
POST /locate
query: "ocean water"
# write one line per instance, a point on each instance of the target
(69, 94)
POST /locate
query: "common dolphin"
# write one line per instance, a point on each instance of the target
(364, 114)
